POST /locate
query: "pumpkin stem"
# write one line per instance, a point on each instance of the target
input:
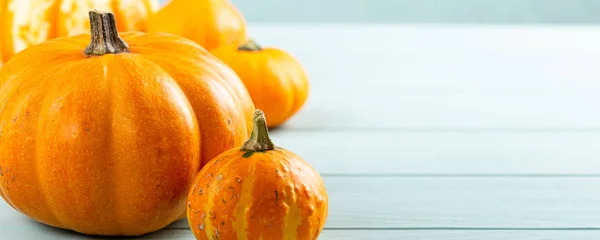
(250, 46)
(105, 37)
(259, 140)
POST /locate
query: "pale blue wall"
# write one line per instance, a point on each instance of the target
(462, 11)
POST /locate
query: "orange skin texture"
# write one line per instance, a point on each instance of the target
(24, 23)
(210, 23)
(276, 81)
(110, 145)
(269, 195)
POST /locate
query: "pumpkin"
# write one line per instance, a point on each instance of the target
(257, 191)
(209, 23)
(106, 139)
(276, 81)
(24, 23)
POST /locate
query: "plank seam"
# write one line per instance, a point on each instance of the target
(460, 175)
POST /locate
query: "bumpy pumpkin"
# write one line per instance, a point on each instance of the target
(258, 191)
(276, 81)
(209, 23)
(106, 139)
(24, 23)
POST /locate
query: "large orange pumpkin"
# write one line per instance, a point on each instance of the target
(107, 139)
(24, 23)
(258, 191)
(209, 23)
(276, 81)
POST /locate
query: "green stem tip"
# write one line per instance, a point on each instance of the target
(259, 140)
(250, 46)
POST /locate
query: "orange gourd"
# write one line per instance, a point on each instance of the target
(258, 191)
(24, 23)
(106, 139)
(209, 23)
(276, 81)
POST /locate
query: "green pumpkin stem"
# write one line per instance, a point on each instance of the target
(250, 46)
(259, 140)
(105, 36)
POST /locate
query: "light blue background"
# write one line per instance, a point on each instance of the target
(423, 11)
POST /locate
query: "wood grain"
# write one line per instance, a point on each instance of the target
(180, 234)
(438, 203)
(438, 132)
(440, 77)
(446, 152)
(449, 110)
(441, 203)
(19, 226)
(378, 57)
(421, 235)
(459, 235)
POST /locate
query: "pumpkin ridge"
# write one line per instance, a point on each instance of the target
(285, 83)
(235, 94)
(9, 93)
(110, 141)
(190, 107)
(166, 85)
(6, 97)
(293, 218)
(61, 69)
(44, 194)
(208, 215)
(211, 86)
(43, 188)
(244, 204)
(118, 173)
(294, 215)
(298, 86)
(205, 85)
(294, 161)
(172, 80)
(292, 88)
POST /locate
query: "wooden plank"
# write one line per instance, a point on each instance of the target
(447, 109)
(440, 57)
(445, 152)
(461, 202)
(458, 235)
(427, 203)
(181, 234)
(178, 234)
(471, 202)
(440, 203)
(476, 70)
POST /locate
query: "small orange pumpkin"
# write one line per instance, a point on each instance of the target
(209, 23)
(258, 191)
(107, 139)
(276, 81)
(24, 23)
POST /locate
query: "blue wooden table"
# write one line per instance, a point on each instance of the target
(438, 132)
